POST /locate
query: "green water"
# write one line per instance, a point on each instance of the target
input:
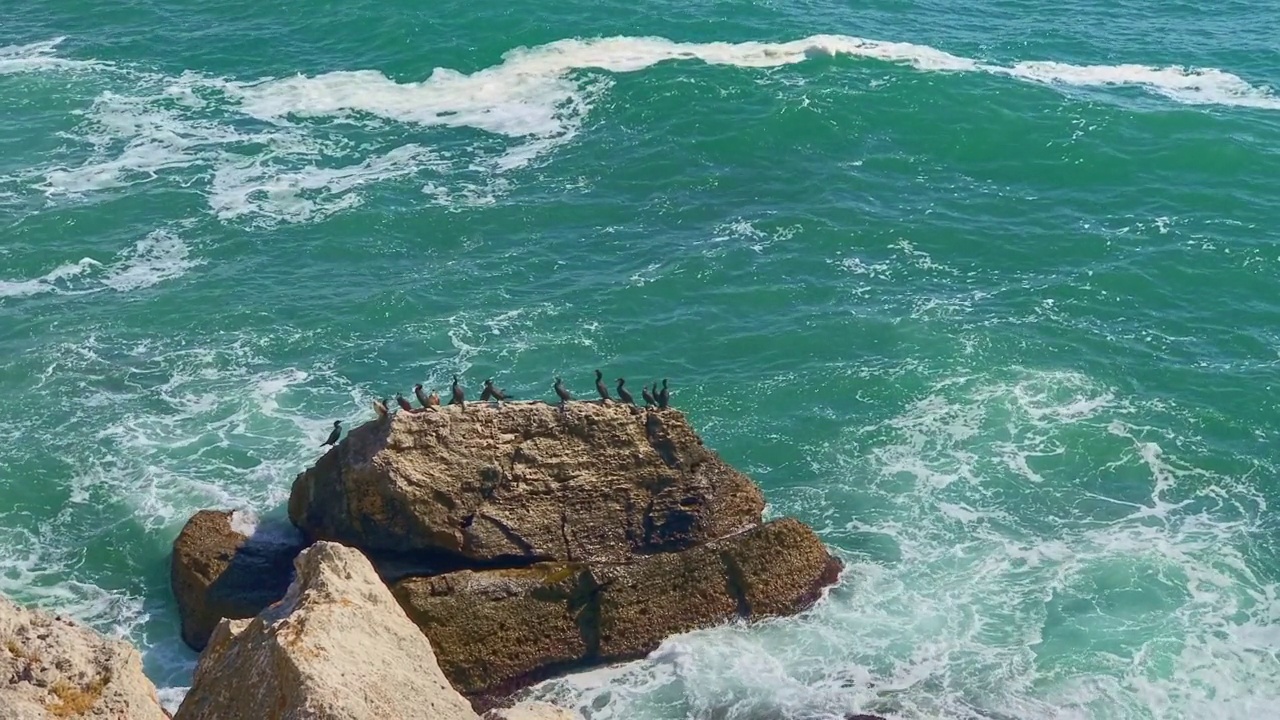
(984, 292)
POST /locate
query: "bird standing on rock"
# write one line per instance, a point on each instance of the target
(422, 396)
(623, 395)
(563, 394)
(333, 436)
(404, 404)
(600, 386)
(648, 396)
(459, 397)
(380, 407)
(663, 396)
(492, 392)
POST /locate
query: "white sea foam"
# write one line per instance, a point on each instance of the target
(160, 256)
(1006, 598)
(295, 163)
(259, 187)
(51, 281)
(40, 56)
(1192, 86)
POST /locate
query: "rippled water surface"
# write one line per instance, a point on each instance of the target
(984, 292)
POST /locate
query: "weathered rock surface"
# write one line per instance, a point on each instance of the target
(227, 565)
(525, 482)
(337, 647)
(54, 668)
(531, 711)
(499, 630)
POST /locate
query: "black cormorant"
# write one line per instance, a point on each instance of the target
(564, 395)
(623, 395)
(600, 386)
(333, 436)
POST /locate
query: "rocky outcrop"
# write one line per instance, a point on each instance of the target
(228, 565)
(525, 482)
(499, 630)
(54, 668)
(523, 539)
(337, 647)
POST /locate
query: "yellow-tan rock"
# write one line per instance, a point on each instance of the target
(496, 631)
(337, 647)
(525, 482)
(55, 668)
(229, 565)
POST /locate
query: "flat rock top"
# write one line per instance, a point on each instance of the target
(525, 481)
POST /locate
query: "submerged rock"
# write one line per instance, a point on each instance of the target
(498, 630)
(227, 565)
(54, 668)
(519, 483)
(337, 647)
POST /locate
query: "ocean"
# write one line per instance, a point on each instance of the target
(985, 292)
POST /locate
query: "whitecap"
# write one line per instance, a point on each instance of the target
(160, 256)
(292, 162)
(49, 282)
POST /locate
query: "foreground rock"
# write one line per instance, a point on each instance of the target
(499, 630)
(337, 647)
(54, 668)
(227, 565)
(525, 482)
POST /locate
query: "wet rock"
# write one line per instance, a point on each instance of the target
(496, 631)
(228, 565)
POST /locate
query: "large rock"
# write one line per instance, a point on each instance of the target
(54, 668)
(498, 630)
(337, 647)
(228, 565)
(525, 482)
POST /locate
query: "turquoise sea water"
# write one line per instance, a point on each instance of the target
(985, 292)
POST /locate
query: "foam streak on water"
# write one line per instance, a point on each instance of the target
(993, 311)
(536, 98)
(981, 612)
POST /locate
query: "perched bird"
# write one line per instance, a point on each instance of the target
(422, 396)
(648, 396)
(380, 407)
(333, 436)
(623, 395)
(600, 386)
(459, 397)
(561, 392)
(404, 404)
(663, 396)
(492, 392)
(433, 400)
